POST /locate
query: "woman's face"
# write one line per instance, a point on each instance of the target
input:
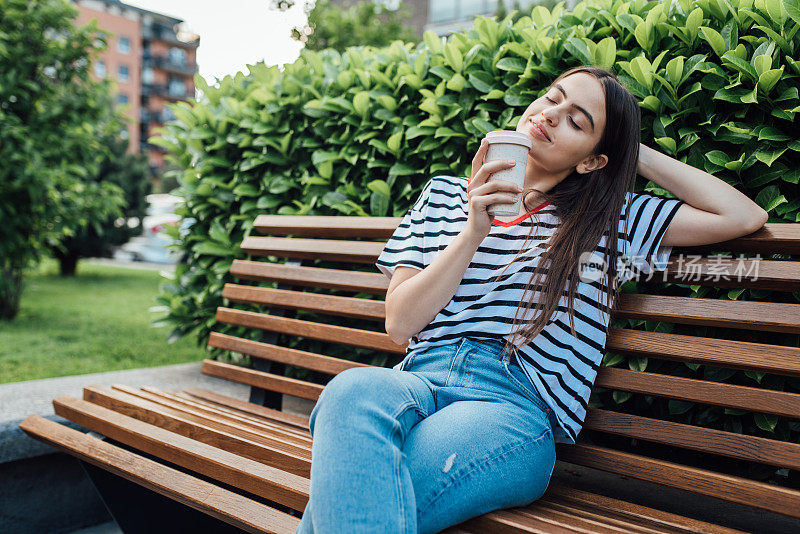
(572, 114)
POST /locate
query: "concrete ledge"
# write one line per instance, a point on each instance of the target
(20, 399)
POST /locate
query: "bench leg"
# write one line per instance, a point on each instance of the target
(138, 510)
(263, 397)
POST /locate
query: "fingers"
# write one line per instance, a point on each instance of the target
(484, 172)
(477, 161)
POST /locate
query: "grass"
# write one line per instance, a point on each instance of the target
(97, 321)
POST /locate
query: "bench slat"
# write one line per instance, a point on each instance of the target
(237, 439)
(721, 352)
(272, 382)
(367, 309)
(747, 315)
(651, 517)
(314, 249)
(356, 281)
(777, 359)
(770, 275)
(773, 238)
(741, 446)
(290, 434)
(758, 273)
(338, 334)
(200, 495)
(744, 491)
(689, 389)
(327, 225)
(276, 353)
(249, 408)
(259, 479)
(775, 275)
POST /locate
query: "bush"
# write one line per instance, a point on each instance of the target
(361, 132)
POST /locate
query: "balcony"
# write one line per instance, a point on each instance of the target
(161, 89)
(177, 66)
(163, 33)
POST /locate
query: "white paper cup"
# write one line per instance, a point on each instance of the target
(512, 145)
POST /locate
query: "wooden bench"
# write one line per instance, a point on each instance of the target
(247, 463)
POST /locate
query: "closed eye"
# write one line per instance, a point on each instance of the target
(574, 124)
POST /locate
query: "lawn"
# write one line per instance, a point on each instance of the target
(97, 321)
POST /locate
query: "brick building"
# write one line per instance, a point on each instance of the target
(152, 61)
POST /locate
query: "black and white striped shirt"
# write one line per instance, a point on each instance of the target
(560, 366)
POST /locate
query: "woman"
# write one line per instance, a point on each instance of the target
(467, 422)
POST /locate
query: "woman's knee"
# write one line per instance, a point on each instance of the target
(348, 391)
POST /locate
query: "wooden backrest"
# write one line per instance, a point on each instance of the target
(328, 281)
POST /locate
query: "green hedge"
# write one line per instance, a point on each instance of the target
(360, 133)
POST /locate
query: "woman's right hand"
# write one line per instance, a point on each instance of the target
(482, 193)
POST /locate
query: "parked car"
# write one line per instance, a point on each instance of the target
(151, 246)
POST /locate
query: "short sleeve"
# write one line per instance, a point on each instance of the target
(648, 219)
(407, 245)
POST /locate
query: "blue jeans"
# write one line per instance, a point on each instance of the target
(454, 433)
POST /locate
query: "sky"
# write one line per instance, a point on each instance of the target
(235, 33)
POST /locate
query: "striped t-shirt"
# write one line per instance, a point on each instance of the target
(560, 366)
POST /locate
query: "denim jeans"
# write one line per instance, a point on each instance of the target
(455, 432)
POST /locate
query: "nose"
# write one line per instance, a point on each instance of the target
(550, 116)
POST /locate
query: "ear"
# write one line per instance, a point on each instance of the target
(592, 163)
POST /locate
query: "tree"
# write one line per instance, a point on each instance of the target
(130, 173)
(53, 117)
(363, 23)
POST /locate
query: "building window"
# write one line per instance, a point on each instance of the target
(452, 10)
(176, 87)
(472, 8)
(122, 98)
(148, 75)
(124, 45)
(100, 68)
(177, 55)
(122, 74)
(443, 10)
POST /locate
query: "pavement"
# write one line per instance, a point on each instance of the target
(20, 399)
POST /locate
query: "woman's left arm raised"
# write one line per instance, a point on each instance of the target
(714, 211)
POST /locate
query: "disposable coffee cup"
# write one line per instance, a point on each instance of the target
(508, 145)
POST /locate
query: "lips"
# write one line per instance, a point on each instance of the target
(537, 127)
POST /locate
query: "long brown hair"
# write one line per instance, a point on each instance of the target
(588, 206)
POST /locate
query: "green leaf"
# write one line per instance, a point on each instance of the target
(769, 197)
(380, 187)
(456, 83)
(482, 81)
(512, 64)
(767, 80)
(394, 141)
(606, 52)
(675, 70)
(714, 39)
(717, 157)
(483, 126)
(214, 249)
(668, 144)
(433, 41)
(766, 422)
(678, 407)
(361, 103)
(621, 396)
(453, 57)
